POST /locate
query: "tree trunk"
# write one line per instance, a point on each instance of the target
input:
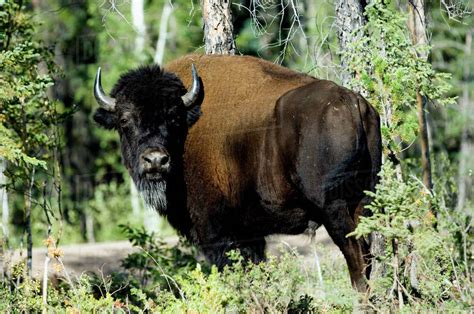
(311, 29)
(417, 27)
(138, 20)
(89, 226)
(218, 28)
(349, 18)
(5, 216)
(29, 235)
(4, 200)
(466, 159)
(161, 43)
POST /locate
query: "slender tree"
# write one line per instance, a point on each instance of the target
(138, 20)
(466, 153)
(5, 213)
(163, 35)
(28, 119)
(417, 27)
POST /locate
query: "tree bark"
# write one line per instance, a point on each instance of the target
(349, 21)
(417, 27)
(466, 159)
(218, 28)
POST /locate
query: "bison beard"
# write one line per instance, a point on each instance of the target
(154, 194)
(273, 151)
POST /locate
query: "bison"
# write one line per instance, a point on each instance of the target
(251, 149)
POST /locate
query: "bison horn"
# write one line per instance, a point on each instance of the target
(106, 102)
(190, 97)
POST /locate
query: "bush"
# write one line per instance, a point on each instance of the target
(421, 264)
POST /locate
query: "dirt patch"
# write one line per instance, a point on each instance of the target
(106, 257)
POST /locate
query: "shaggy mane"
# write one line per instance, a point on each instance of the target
(148, 85)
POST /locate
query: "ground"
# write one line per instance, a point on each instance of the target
(106, 257)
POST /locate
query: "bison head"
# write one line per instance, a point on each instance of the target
(152, 112)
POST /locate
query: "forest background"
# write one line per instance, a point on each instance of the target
(62, 178)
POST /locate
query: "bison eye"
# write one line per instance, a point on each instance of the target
(123, 121)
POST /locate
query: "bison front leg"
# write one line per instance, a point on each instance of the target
(252, 250)
(339, 223)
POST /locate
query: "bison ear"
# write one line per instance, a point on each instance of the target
(193, 115)
(105, 118)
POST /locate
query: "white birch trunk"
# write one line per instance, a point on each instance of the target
(152, 221)
(89, 226)
(161, 42)
(138, 21)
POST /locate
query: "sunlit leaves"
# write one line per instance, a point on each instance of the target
(27, 114)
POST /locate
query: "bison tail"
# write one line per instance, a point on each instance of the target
(370, 121)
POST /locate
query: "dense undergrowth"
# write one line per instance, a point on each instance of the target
(160, 278)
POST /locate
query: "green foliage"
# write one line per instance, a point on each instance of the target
(451, 53)
(110, 207)
(11, 150)
(162, 278)
(153, 263)
(29, 137)
(24, 295)
(393, 206)
(27, 117)
(417, 254)
(388, 68)
(423, 262)
(176, 282)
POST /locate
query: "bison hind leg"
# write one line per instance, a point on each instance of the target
(252, 250)
(339, 223)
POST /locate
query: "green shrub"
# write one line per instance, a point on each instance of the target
(419, 255)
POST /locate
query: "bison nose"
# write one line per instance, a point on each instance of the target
(155, 160)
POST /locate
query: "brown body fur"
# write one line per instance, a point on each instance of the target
(273, 150)
(230, 114)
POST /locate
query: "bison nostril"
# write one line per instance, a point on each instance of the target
(164, 160)
(155, 160)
